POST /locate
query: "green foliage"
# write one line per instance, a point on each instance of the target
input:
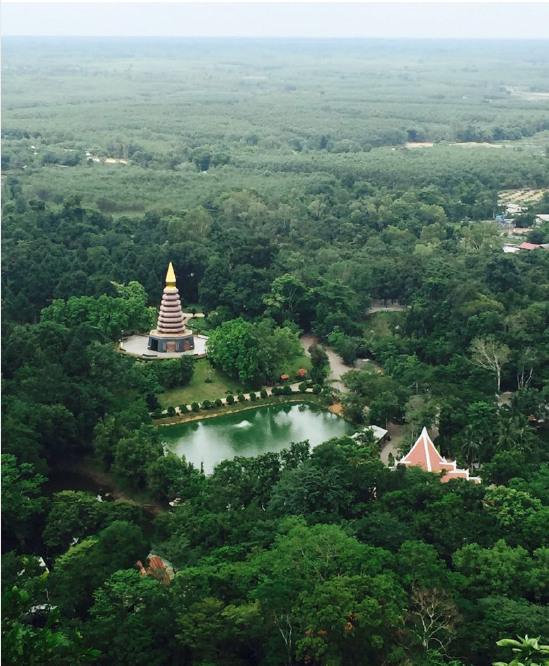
(169, 477)
(133, 454)
(20, 497)
(86, 565)
(252, 352)
(305, 221)
(42, 643)
(128, 312)
(168, 373)
(528, 652)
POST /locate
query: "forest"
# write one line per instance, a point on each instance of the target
(285, 182)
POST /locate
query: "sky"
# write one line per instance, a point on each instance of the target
(469, 20)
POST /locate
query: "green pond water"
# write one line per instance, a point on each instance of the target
(252, 432)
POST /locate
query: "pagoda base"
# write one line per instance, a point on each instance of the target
(170, 344)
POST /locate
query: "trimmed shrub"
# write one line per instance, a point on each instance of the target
(253, 397)
(195, 406)
(152, 401)
(183, 409)
(241, 397)
(287, 389)
(276, 391)
(157, 414)
(263, 393)
(303, 387)
(230, 399)
(316, 389)
(206, 404)
(171, 410)
(218, 402)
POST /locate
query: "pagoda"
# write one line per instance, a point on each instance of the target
(170, 334)
(425, 455)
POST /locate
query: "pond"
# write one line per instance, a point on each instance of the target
(252, 432)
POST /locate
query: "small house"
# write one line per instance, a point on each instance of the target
(380, 434)
(540, 219)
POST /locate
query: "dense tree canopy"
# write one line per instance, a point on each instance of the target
(291, 198)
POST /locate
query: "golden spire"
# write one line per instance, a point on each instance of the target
(170, 276)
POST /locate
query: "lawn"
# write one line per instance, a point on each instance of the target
(198, 389)
(292, 366)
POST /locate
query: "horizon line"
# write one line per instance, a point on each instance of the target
(308, 37)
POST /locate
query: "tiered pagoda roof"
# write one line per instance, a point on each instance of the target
(170, 318)
(425, 455)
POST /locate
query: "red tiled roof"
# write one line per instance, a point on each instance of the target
(156, 568)
(528, 246)
(425, 455)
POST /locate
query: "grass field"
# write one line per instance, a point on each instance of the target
(198, 389)
(291, 367)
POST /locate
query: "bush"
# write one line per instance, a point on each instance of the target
(206, 404)
(171, 410)
(157, 414)
(287, 390)
(303, 387)
(152, 401)
(263, 393)
(173, 372)
(253, 397)
(316, 389)
(183, 409)
(276, 391)
(230, 399)
(218, 402)
(241, 397)
(195, 406)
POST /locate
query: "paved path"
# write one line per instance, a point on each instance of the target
(294, 387)
(337, 367)
(387, 308)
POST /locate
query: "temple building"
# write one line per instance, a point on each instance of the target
(425, 455)
(170, 334)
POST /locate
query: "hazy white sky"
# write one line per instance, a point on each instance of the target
(279, 19)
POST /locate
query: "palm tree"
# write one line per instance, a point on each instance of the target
(515, 433)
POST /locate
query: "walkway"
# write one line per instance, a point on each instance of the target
(337, 367)
(294, 387)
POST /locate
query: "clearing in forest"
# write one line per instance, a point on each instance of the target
(525, 196)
